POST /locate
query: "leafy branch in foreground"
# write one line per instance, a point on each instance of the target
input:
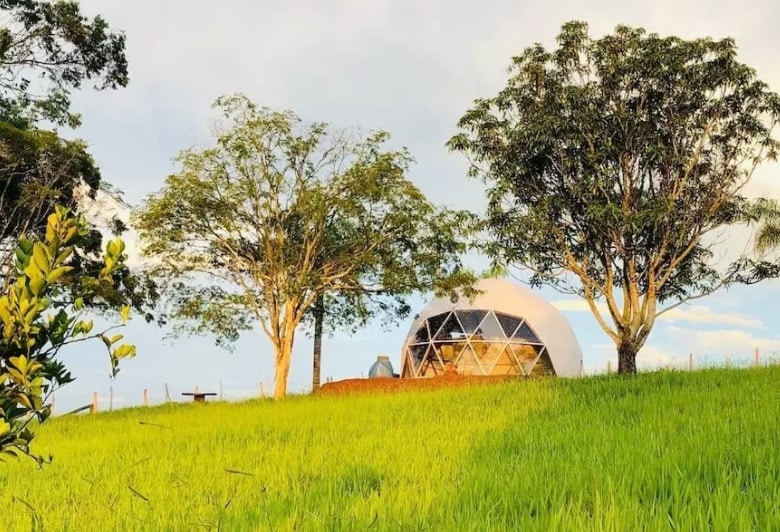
(32, 338)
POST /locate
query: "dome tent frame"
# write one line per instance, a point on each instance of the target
(526, 330)
(491, 343)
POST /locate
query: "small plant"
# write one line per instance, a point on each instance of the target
(31, 337)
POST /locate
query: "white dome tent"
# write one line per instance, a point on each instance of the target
(505, 330)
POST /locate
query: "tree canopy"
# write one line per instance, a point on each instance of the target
(612, 165)
(49, 48)
(278, 213)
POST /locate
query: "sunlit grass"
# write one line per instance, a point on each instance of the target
(681, 451)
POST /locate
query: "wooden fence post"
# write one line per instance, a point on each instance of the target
(758, 361)
(94, 407)
(690, 361)
(110, 398)
(609, 366)
(146, 397)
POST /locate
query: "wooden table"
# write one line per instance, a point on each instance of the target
(199, 397)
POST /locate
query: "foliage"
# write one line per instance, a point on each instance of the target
(39, 168)
(276, 214)
(613, 165)
(683, 451)
(32, 338)
(767, 211)
(65, 48)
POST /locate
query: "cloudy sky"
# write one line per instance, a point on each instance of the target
(408, 66)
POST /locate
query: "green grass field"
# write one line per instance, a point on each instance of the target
(663, 451)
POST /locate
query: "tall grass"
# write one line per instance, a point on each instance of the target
(662, 451)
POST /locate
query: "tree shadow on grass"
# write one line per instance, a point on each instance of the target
(660, 451)
(394, 474)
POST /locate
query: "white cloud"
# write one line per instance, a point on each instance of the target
(105, 208)
(599, 355)
(723, 341)
(703, 314)
(691, 313)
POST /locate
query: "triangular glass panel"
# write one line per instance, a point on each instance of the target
(432, 365)
(508, 323)
(489, 329)
(470, 319)
(506, 364)
(449, 351)
(526, 355)
(467, 363)
(435, 323)
(487, 353)
(417, 355)
(406, 365)
(422, 335)
(543, 365)
(525, 334)
(451, 330)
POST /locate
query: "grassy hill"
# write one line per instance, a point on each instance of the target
(661, 451)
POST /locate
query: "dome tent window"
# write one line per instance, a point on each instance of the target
(506, 330)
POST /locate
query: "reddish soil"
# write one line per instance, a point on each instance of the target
(352, 386)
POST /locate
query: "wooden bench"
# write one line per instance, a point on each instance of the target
(199, 397)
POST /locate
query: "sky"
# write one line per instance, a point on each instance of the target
(411, 68)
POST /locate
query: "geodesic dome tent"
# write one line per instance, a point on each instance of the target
(506, 330)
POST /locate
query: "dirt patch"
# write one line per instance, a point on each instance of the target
(388, 385)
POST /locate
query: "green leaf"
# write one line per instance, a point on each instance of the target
(57, 273)
(114, 339)
(40, 258)
(124, 351)
(105, 340)
(37, 280)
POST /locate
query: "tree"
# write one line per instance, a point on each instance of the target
(277, 214)
(56, 41)
(39, 169)
(614, 163)
(32, 338)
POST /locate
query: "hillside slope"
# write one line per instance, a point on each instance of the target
(660, 451)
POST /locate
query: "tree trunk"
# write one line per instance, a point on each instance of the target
(627, 352)
(282, 372)
(283, 354)
(319, 313)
